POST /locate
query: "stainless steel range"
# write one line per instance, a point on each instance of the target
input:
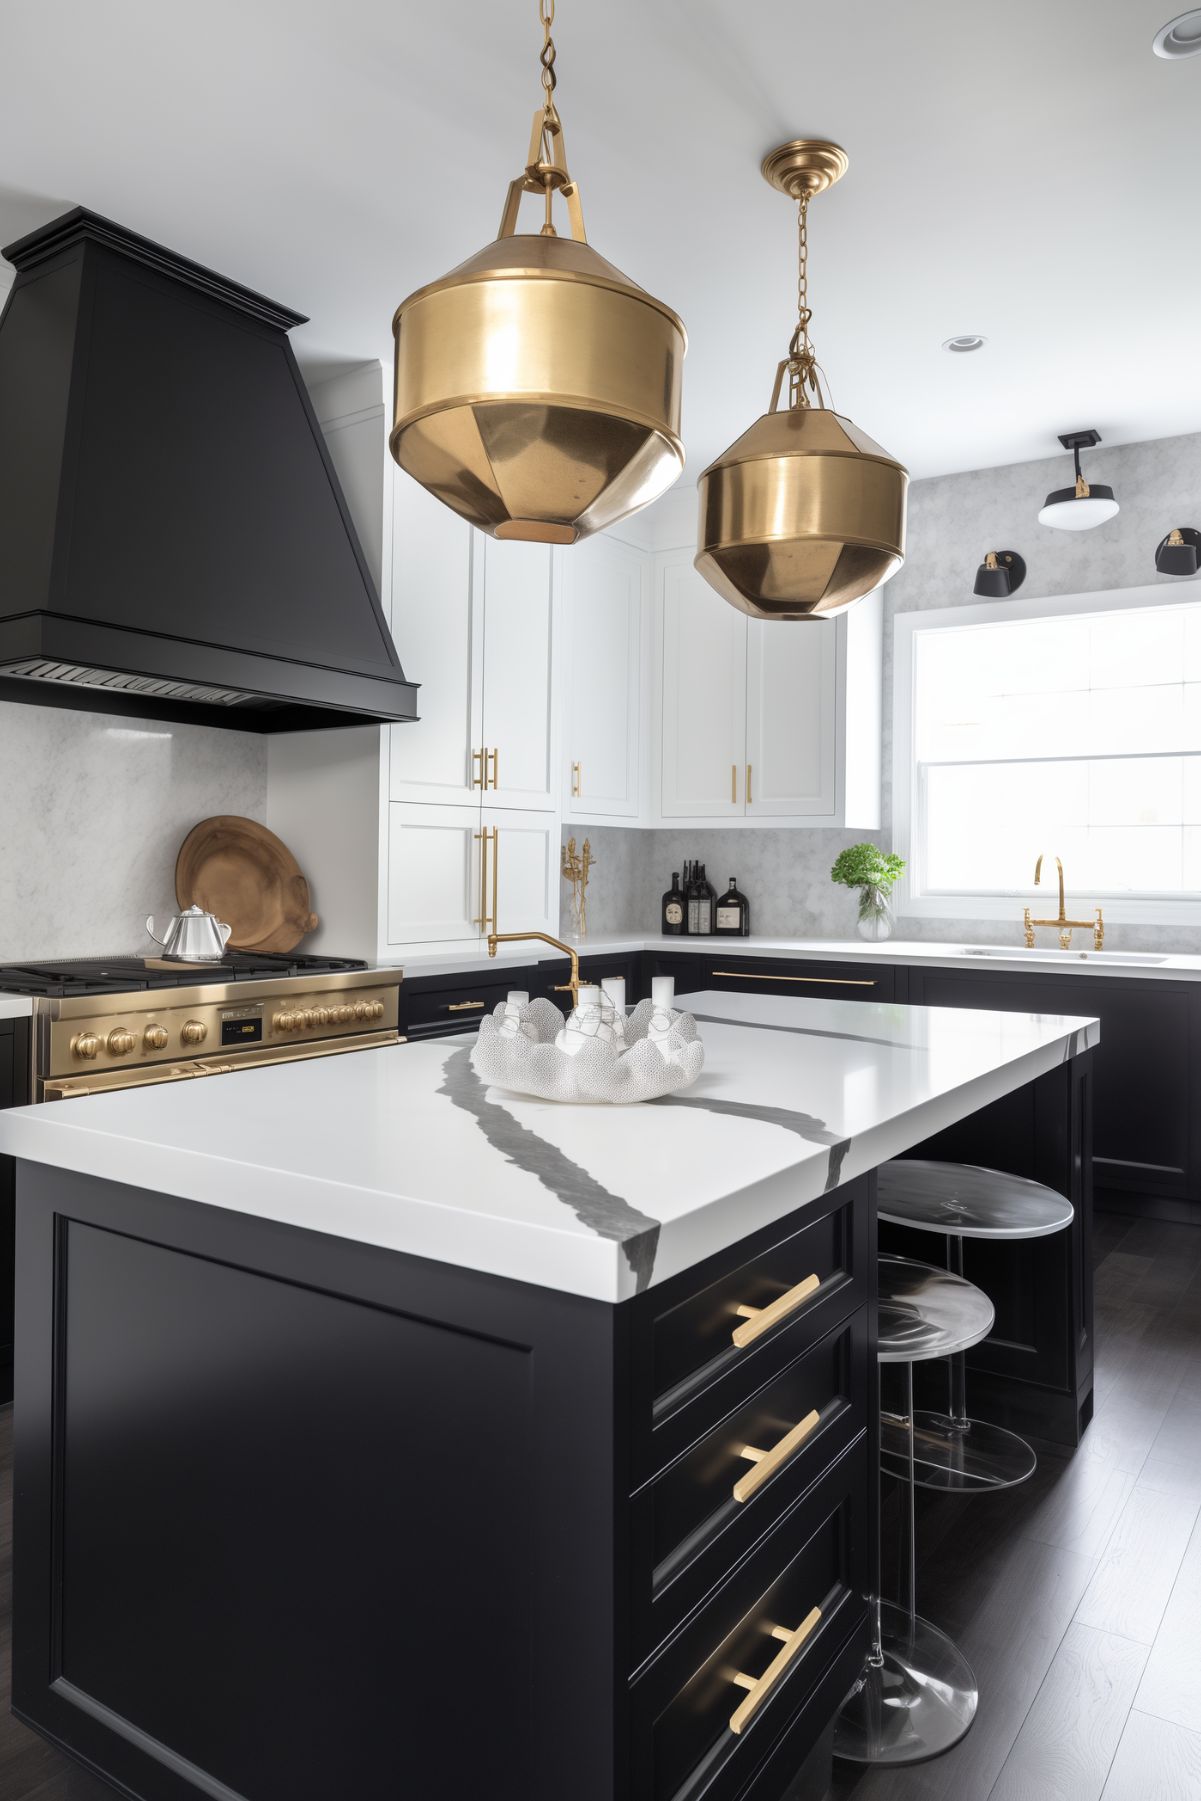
(116, 1023)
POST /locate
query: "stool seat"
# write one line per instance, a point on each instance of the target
(927, 1312)
(965, 1200)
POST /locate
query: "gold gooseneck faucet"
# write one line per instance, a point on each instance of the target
(1063, 923)
(572, 986)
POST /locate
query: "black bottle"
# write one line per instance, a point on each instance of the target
(692, 899)
(733, 919)
(706, 903)
(672, 919)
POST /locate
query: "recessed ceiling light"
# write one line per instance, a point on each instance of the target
(971, 340)
(1182, 37)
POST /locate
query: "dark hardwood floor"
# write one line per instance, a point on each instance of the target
(1077, 1598)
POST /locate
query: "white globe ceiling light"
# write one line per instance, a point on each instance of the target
(1180, 37)
(1080, 507)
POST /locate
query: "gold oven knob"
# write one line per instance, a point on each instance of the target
(343, 1015)
(86, 1044)
(194, 1032)
(121, 1043)
(155, 1038)
(320, 1016)
(283, 1022)
(377, 1009)
(304, 1019)
(362, 1009)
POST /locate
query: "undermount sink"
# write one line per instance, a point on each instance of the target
(1019, 953)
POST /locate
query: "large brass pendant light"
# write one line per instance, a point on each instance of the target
(537, 389)
(803, 515)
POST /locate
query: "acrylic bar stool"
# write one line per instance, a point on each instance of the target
(963, 1200)
(917, 1696)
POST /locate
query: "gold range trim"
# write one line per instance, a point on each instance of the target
(108, 1081)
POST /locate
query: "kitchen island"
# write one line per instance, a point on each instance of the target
(379, 1433)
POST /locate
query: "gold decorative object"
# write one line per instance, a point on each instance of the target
(537, 388)
(1064, 925)
(804, 514)
(576, 867)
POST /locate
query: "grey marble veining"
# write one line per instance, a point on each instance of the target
(93, 810)
(953, 521)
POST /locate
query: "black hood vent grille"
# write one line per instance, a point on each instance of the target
(174, 542)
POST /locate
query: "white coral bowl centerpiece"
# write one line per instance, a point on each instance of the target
(661, 1053)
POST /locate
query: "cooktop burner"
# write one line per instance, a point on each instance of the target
(121, 975)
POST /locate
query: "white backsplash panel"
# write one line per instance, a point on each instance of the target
(93, 810)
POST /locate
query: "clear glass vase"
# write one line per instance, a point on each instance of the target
(579, 914)
(875, 915)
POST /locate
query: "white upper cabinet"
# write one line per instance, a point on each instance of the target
(602, 618)
(437, 622)
(518, 734)
(791, 690)
(436, 876)
(522, 870)
(703, 722)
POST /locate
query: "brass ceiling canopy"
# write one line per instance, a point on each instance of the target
(537, 388)
(804, 514)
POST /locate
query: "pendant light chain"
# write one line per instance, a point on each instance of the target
(551, 125)
(804, 375)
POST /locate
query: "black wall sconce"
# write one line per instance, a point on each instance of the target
(1000, 574)
(1177, 554)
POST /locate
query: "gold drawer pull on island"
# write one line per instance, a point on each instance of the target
(761, 1319)
(760, 1687)
(463, 1006)
(766, 1463)
(746, 975)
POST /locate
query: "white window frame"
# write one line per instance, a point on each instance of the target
(1007, 904)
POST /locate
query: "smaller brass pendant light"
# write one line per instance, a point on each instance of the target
(803, 515)
(537, 388)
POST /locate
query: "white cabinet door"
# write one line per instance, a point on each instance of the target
(704, 696)
(435, 875)
(437, 622)
(523, 870)
(601, 613)
(519, 650)
(791, 696)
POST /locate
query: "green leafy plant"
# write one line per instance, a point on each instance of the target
(867, 866)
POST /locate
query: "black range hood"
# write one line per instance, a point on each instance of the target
(173, 539)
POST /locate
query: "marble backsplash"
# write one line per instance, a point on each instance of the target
(92, 812)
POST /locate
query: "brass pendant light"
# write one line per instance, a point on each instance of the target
(803, 515)
(537, 389)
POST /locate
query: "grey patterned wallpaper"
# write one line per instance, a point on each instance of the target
(953, 520)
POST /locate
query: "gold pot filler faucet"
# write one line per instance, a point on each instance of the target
(1064, 924)
(572, 985)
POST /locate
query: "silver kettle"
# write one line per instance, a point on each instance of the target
(193, 936)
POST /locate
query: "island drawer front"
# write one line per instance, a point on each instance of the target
(457, 1006)
(819, 980)
(684, 1337)
(689, 1529)
(685, 1704)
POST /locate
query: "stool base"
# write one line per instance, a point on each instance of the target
(971, 1458)
(918, 1703)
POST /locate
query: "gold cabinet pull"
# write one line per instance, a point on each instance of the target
(463, 1006)
(760, 1687)
(761, 1319)
(478, 778)
(489, 835)
(744, 975)
(766, 1463)
(576, 781)
(748, 784)
(495, 876)
(734, 782)
(495, 756)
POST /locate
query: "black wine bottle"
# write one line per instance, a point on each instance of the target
(692, 901)
(733, 914)
(707, 903)
(672, 920)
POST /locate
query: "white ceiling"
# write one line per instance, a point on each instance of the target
(1027, 170)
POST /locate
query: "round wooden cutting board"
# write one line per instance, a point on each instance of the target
(241, 872)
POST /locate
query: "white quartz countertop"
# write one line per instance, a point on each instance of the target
(15, 1006)
(1045, 960)
(404, 1147)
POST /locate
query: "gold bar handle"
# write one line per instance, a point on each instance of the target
(576, 783)
(766, 1463)
(464, 1006)
(744, 975)
(495, 756)
(495, 876)
(734, 783)
(481, 838)
(749, 800)
(478, 778)
(761, 1319)
(760, 1687)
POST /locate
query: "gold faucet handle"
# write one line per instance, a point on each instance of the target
(1099, 931)
(1028, 928)
(1065, 939)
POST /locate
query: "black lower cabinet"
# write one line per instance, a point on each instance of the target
(14, 1092)
(718, 968)
(298, 1518)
